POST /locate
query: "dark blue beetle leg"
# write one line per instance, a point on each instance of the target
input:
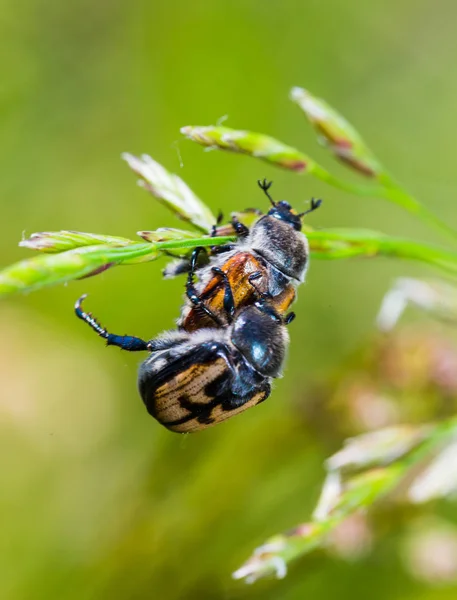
(229, 302)
(192, 293)
(253, 277)
(266, 308)
(289, 318)
(228, 360)
(125, 342)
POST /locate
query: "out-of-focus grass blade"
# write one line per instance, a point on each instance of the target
(434, 296)
(247, 142)
(272, 557)
(276, 153)
(172, 191)
(344, 243)
(358, 490)
(51, 269)
(342, 139)
(347, 145)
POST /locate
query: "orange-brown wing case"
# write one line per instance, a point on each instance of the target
(238, 268)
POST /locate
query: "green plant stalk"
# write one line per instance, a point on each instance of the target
(399, 196)
(334, 244)
(193, 243)
(59, 241)
(347, 145)
(313, 535)
(85, 260)
(278, 154)
(391, 192)
(52, 269)
(375, 191)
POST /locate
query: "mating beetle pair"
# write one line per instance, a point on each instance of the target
(231, 338)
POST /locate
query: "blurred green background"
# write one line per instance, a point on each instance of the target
(97, 500)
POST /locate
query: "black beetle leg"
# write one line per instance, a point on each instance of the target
(289, 318)
(194, 260)
(219, 219)
(253, 277)
(222, 248)
(241, 230)
(263, 303)
(264, 306)
(228, 360)
(192, 293)
(125, 342)
(229, 302)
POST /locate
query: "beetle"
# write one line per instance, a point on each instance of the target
(193, 380)
(274, 248)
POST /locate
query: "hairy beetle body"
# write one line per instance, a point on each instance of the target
(214, 374)
(232, 338)
(275, 248)
(191, 381)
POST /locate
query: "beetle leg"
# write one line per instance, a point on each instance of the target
(253, 277)
(263, 303)
(289, 318)
(176, 267)
(194, 259)
(229, 301)
(265, 307)
(242, 387)
(125, 342)
(222, 248)
(191, 291)
(222, 353)
(220, 216)
(241, 230)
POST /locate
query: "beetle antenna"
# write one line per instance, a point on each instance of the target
(314, 205)
(265, 186)
(125, 342)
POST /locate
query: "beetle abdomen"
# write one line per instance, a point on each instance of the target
(194, 392)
